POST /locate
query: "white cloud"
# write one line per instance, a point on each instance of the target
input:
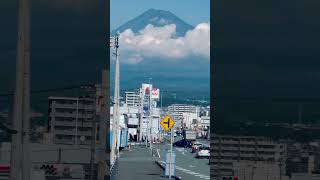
(160, 42)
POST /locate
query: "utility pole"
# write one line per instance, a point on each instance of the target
(93, 147)
(141, 113)
(280, 170)
(20, 163)
(77, 115)
(161, 93)
(150, 115)
(92, 95)
(104, 117)
(115, 126)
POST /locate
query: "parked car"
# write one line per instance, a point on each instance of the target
(178, 133)
(183, 143)
(195, 147)
(203, 152)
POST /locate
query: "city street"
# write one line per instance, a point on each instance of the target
(137, 164)
(187, 166)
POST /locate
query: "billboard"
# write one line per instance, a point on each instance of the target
(145, 89)
(155, 93)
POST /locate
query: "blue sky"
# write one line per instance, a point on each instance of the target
(191, 11)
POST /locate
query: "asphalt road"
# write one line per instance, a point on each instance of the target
(137, 164)
(187, 166)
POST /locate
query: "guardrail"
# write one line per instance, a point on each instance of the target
(112, 167)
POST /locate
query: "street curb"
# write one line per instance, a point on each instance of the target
(112, 167)
(159, 165)
(163, 168)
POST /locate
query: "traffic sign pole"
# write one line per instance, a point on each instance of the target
(170, 159)
(167, 123)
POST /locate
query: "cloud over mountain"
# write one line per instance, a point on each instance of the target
(162, 42)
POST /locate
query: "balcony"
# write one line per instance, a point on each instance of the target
(73, 106)
(73, 115)
(72, 132)
(73, 123)
(228, 148)
(71, 141)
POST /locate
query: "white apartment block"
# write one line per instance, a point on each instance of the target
(176, 112)
(132, 99)
(246, 157)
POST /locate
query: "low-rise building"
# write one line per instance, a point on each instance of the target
(230, 153)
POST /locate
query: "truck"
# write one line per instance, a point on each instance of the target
(189, 135)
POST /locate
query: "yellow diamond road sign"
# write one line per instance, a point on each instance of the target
(167, 123)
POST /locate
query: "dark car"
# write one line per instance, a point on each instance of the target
(183, 143)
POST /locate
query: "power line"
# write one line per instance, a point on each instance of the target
(48, 90)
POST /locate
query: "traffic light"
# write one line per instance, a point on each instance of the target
(50, 170)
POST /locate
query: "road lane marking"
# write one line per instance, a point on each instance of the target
(179, 149)
(158, 153)
(201, 176)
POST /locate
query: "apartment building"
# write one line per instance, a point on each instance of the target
(73, 120)
(260, 156)
(132, 98)
(304, 158)
(177, 112)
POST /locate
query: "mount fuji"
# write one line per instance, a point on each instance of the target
(157, 18)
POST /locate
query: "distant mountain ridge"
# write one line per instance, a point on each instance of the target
(157, 18)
